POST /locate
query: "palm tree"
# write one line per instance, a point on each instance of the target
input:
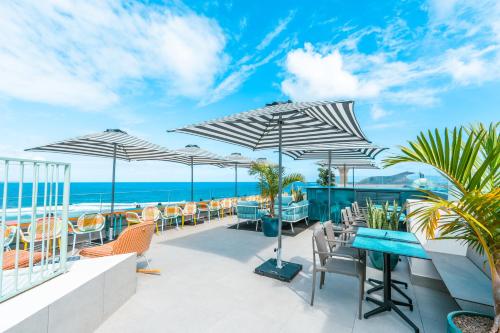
(268, 175)
(469, 158)
(323, 176)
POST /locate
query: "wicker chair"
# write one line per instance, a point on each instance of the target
(46, 228)
(152, 213)
(189, 212)
(9, 236)
(136, 238)
(171, 213)
(86, 225)
(23, 259)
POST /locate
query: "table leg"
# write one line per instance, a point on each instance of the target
(388, 304)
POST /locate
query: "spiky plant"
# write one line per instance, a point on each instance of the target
(469, 158)
(268, 175)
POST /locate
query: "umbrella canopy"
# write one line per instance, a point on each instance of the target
(197, 156)
(344, 165)
(115, 144)
(303, 124)
(340, 153)
(238, 160)
(285, 126)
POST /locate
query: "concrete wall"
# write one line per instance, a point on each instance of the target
(78, 301)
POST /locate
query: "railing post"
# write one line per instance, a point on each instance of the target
(64, 216)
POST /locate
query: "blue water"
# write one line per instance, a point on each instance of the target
(125, 192)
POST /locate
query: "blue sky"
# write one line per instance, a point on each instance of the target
(75, 67)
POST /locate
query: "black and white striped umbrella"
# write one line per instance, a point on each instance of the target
(115, 144)
(290, 125)
(336, 153)
(197, 156)
(237, 160)
(339, 153)
(344, 165)
(303, 124)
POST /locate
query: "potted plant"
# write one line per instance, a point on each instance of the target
(469, 158)
(386, 219)
(268, 175)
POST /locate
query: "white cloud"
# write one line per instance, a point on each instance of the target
(282, 24)
(85, 53)
(377, 112)
(459, 46)
(323, 75)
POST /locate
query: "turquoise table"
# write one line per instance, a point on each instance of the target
(389, 242)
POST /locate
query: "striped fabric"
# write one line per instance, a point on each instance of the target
(236, 159)
(128, 147)
(304, 125)
(336, 153)
(359, 164)
(197, 156)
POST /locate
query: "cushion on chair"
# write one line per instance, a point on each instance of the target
(98, 251)
(9, 259)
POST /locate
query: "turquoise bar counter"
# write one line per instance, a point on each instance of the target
(344, 196)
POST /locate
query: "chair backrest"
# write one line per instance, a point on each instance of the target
(226, 203)
(320, 245)
(349, 214)
(150, 213)
(136, 238)
(330, 234)
(172, 211)
(345, 218)
(189, 208)
(48, 227)
(89, 222)
(132, 217)
(214, 204)
(355, 208)
(9, 235)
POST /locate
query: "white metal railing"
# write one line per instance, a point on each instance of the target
(33, 249)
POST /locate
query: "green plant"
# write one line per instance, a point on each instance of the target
(297, 195)
(383, 218)
(268, 175)
(469, 158)
(323, 177)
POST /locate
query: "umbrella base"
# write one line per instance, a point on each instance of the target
(286, 273)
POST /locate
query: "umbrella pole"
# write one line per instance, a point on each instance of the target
(192, 181)
(353, 177)
(112, 219)
(280, 190)
(235, 180)
(329, 185)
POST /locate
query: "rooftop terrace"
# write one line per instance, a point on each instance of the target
(207, 284)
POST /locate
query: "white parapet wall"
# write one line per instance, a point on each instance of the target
(77, 301)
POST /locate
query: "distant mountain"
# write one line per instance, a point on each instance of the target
(400, 178)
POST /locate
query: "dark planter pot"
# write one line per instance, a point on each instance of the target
(270, 226)
(450, 325)
(377, 259)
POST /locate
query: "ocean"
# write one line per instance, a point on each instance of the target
(91, 197)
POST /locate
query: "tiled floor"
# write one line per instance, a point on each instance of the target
(207, 284)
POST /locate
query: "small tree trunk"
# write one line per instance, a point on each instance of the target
(495, 277)
(271, 209)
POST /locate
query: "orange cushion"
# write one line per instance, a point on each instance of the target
(98, 251)
(9, 259)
